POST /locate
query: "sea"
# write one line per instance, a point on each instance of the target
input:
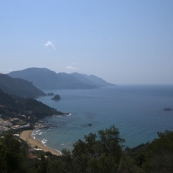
(136, 110)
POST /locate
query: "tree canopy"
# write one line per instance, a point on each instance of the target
(100, 152)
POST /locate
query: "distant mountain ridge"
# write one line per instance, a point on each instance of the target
(44, 78)
(19, 87)
(92, 79)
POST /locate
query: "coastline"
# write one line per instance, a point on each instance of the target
(26, 135)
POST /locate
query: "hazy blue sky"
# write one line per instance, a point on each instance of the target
(122, 41)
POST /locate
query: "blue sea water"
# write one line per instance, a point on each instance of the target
(137, 111)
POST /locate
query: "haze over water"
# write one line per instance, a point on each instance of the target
(137, 111)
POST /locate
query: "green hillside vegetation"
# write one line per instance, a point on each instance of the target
(46, 79)
(100, 152)
(19, 87)
(10, 107)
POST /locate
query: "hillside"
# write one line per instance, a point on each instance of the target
(93, 80)
(100, 152)
(46, 79)
(19, 87)
(13, 106)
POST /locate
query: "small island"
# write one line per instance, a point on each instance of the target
(167, 109)
(56, 97)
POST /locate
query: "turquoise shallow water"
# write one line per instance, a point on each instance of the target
(137, 111)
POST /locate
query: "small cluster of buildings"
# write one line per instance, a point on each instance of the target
(6, 125)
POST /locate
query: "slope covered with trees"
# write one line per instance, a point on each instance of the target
(19, 87)
(102, 152)
(12, 106)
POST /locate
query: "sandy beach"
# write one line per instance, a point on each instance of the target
(27, 136)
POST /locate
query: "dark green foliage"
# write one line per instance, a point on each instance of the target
(160, 154)
(38, 109)
(57, 166)
(154, 157)
(12, 155)
(19, 87)
(7, 103)
(139, 154)
(98, 152)
(6, 100)
(128, 165)
(12, 106)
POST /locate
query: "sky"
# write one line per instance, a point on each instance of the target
(121, 41)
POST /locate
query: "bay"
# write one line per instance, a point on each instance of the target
(136, 110)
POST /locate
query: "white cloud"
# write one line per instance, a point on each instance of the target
(71, 68)
(49, 45)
